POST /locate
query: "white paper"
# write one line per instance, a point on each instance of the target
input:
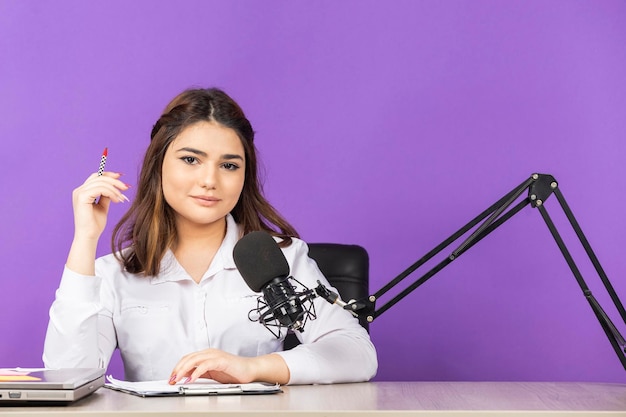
(20, 369)
(199, 387)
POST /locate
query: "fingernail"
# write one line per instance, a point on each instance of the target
(124, 198)
(187, 379)
(172, 380)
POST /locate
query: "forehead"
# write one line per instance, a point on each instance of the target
(208, 136)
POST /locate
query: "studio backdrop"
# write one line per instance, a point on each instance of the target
(387, 124)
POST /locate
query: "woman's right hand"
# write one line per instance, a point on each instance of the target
(91, 205)
(91, 202)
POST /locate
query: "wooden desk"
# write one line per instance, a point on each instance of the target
(442, 399)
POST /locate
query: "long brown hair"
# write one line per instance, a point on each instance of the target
(148, 229)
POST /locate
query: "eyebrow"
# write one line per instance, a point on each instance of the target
(198, 152)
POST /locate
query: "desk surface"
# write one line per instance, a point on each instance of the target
(443, 399)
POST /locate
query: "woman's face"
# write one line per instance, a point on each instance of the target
(203, 173)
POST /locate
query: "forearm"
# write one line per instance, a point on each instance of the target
(91, 203)
(77, 333)
(335, 358)
(72, 343)
(82, 256)
(271, 368)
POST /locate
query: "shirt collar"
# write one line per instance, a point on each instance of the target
(171, 270)
(224, 255)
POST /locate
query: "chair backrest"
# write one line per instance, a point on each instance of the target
(347, 269)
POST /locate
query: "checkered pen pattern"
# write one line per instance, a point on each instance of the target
(103, 161)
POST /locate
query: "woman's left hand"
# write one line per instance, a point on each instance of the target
(228, 368)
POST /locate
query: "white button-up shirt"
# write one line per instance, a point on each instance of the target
(155, 321)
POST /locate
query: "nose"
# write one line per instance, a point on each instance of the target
(208, 178)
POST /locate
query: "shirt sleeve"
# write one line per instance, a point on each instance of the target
(335, 347)
(80, 332)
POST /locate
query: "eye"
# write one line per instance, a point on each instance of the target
(191, 160)
(230, 166)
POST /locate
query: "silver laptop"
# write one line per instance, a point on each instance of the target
(58, 386)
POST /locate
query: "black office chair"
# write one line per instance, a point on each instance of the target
(347, 269)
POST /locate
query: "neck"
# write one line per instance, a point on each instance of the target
(191, 236)
(196, 246)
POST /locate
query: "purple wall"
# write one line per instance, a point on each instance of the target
(386, 124)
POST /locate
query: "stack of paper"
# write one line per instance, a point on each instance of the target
(199, 387)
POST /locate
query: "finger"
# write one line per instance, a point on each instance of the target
(220, 366)
(98, 186)
(110, 174)
(105, 174)
(93, 194)
(205, 367)
(106, 177)
(118, 185)
(103, 202)
(182, 368)
(188, 366)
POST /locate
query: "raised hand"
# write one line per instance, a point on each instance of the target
(91, 202)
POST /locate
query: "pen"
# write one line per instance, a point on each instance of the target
(103, 161)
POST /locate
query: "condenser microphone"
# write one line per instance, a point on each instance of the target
(265, 269)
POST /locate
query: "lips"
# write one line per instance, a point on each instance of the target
(206, 200)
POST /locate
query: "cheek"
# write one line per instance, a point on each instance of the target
(232, 183)
(235, 188)
(173, 184)
(167, 191)
(238, 186)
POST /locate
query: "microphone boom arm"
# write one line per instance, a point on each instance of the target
(540, 187)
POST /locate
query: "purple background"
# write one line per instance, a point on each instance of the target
(387, 124)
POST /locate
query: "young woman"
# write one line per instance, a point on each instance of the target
(170, 296)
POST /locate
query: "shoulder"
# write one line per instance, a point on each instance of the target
(108, 262)
(109, 266)
(301, 265)
(297, 248)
